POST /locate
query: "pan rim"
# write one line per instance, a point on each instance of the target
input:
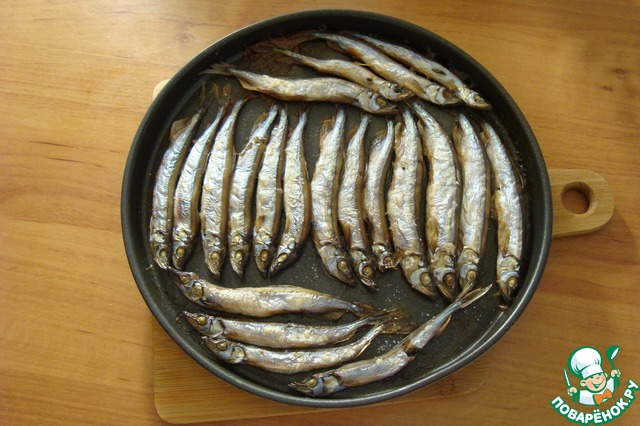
(128, 216)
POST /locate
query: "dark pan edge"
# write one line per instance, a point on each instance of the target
(540, 238)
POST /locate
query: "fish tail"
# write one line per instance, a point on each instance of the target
(395, 321)
(467, 299)
(219, 69)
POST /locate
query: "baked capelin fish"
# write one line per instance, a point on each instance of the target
(314, 89)
(443, 196)
(243, 185)
(370, 370)
(474, 206)
(281, 335)
(350, 211)
(214, 204)
(429, 68)
(290, 361)
(269, 196)
(324, 191)
(261, 302)
(296, 199)
(350, 71)
(403, 201)
(186, 219)
(161, 222)
(389, 69)
(507, 206)
(373, 198)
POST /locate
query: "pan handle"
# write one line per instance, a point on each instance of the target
(598, 194)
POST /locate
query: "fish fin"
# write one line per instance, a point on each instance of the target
(472, 296)
(444, 326)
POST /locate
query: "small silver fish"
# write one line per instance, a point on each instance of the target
(429, 68)
(161, 222)
(352, 72)
(292, 361)
(442, 203)
(370, 370)
(403, 201)
(296, 200)
(350, 211)
(373, 198)
(314, 89)
(281, 335)
(508, 208)
(269, 193)
(389, 69)
(475, 206)
(259, 302)
(243, 185)
(214, 204)
(185, 208)
(324, 191)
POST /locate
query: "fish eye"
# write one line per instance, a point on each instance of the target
(367, 271)
(264, 255)
(449, 279)
(185, 278)
(381, 102)
(215, 256)
(282, 257)
(311, 382)
(342, 265)
(471, 275)
(512, 282)
(425, 278)
(223, 346)
(238, 255)
(180, 251)
(202, 320)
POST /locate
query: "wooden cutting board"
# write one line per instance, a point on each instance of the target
(185, 392)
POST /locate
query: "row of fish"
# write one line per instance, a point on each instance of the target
(393, 73)
(291, 348)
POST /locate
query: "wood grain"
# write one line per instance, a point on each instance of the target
(75, 77)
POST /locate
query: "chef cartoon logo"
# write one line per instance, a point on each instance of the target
(594, 384)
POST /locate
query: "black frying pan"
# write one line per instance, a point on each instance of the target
(470, 333)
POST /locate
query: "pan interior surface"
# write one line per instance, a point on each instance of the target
(470, 333)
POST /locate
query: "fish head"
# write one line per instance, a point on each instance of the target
(508, 277)
(284, 255)
(364, 268)
(445, 279)
(263, 253)
(160, 252)
(473, 99)
(180, 252)
(394, 92)
(385, 258)
(418, 275)
(440, 94)
(337, 263)
(376, 104)
(318, 385)
(238, 254)
(215, 253)
(189, 283)
(205, 324)
(226, 350)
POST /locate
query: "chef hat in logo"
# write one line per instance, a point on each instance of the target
(585, 362)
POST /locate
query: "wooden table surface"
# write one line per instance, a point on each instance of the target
(75, 80)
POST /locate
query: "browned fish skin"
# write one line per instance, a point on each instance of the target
(374, 204)
(443, 198)
(214, 204)
(324, 191)
(186, 221)
(260, 302)
(242, 189)
(403, 201)
(350, 210)
(269, 194)
(296, 200)
(161, 222)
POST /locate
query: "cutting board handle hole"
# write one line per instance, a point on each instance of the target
(577, 197)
